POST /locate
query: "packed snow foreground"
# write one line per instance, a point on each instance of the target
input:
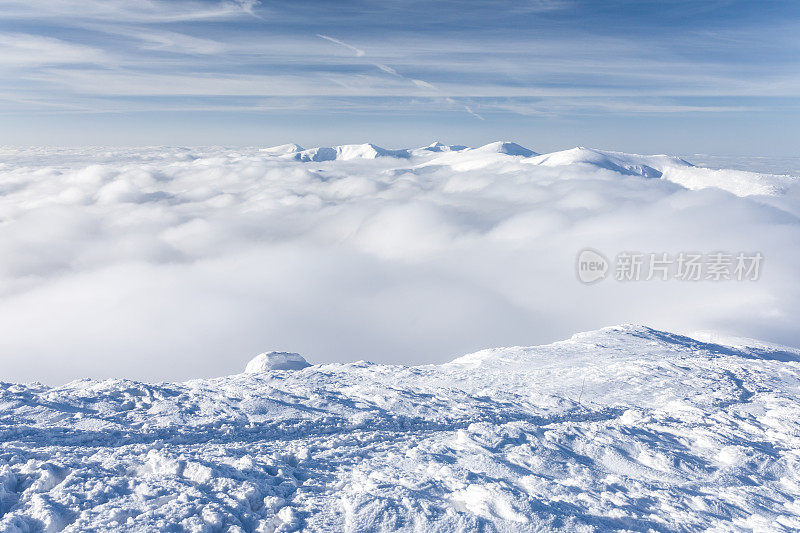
(624, 428)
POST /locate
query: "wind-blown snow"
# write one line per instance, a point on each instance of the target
(172, 263)
(625, 428)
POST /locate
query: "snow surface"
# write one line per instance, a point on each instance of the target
(174, 262)
(275, 361)
(624, 428)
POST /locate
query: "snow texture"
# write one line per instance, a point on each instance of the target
(624, 428)
(275, 361)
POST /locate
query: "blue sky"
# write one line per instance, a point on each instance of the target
(672, 76)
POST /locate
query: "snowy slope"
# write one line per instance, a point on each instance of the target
(670, 434)
(437, 146)
(507, 148)
(648, 166)
(669, 168)
(345, 152)
(738, 182)
(282, 149)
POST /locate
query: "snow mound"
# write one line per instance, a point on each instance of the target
(507, 148)
(266, 361)
(348, 152)
(648, 166)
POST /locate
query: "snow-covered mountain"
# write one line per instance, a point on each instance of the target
(437, 146)
(346, 152)
(624, 428)
(462, 158)
(507, 148)
(648, 166)
(282, 149)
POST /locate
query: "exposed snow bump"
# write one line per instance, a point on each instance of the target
(266, 361)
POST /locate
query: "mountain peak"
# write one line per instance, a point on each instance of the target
(438, 146)
(508, 148)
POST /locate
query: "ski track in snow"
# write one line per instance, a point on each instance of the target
(671, 434)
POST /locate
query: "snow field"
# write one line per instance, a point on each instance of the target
(671, 433)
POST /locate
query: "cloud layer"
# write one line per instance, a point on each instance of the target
(168, 263)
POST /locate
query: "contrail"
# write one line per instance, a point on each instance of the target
(359, 52)
(389, 70)
(471, 112)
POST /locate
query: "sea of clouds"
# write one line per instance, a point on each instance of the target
(171, 263)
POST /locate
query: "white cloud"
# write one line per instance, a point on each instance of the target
(133, 83)
(127, 11)
(22, 49)
(152, 261)
(175, 42)
(165, 51)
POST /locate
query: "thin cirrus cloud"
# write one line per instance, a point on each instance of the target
(168, 41)
(20, 50)
(550, 58)
(75, 12)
